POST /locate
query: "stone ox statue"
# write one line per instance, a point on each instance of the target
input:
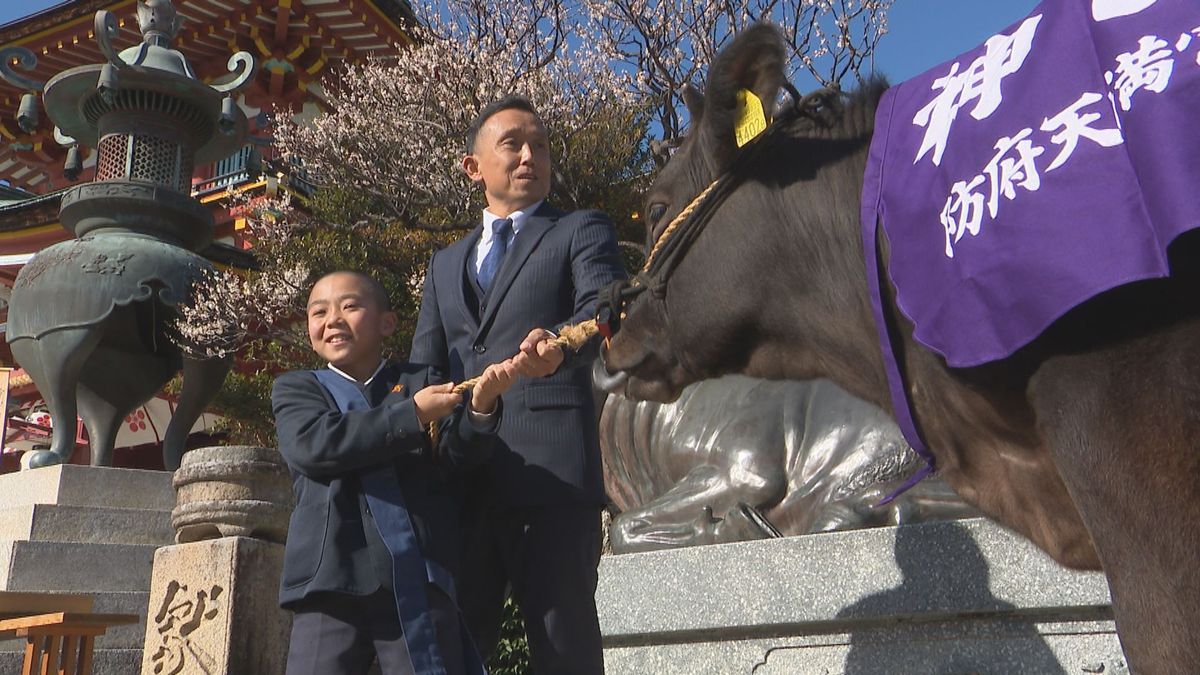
(738, 458)
(1079, 424)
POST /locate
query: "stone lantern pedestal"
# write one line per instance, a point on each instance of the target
(214, 599)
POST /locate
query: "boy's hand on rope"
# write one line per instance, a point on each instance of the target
(494, 381)
(436, 401)
(540, 355)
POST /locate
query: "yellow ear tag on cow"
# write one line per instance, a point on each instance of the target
(751, 120)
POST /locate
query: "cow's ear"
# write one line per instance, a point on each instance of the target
(753, 61)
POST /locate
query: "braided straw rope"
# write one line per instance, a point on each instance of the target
(573, 337)
(676, 222)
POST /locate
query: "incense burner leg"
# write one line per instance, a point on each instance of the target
(202, 380)
(54, 362)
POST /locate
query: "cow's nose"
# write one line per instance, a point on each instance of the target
(613, 383)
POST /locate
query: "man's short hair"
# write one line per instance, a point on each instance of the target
(375, 289)
(510, 102)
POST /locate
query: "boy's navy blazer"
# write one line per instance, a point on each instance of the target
(548, 451)
(332, 545)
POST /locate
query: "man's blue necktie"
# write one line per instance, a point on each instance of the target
(501, 229)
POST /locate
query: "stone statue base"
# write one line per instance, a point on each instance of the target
(214, 608)
(88, 530)
(951, 597)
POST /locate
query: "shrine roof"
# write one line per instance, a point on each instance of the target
(20, 209)
(10, 194)
(42, 26)
(295, 44)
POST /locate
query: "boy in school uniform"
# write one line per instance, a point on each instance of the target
(373, 541)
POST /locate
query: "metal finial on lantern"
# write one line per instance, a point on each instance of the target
(242, 65)
(26, 60)
(106, 28)
(158, 20)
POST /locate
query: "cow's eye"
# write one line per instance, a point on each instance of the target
(656, 212)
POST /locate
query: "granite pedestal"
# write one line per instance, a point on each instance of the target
(940, 598)
(91, 530)
(214, 608)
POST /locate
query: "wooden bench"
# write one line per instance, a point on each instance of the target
(59, 630)
(60, 643)
(28, 603)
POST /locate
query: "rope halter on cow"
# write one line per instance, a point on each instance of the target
(678, 236)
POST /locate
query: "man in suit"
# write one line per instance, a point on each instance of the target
(373, 541)
(536, 502)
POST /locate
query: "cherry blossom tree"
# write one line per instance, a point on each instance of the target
(668, 44)
(394, 130)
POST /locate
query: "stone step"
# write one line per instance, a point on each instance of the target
(129, 636)
(67, 566)
(105, 661)
(126, 636)
(76, 485)
(85, 524)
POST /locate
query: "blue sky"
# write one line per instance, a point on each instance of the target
(15, 9)
(922, 33)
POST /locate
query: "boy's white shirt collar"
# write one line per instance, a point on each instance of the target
(382, 363)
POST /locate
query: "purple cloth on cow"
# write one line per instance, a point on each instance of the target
(1053, 163)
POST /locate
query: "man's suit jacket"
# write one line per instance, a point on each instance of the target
(333, 544)
(548, 451)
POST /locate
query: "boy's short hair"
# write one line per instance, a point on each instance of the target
(510, 102)
(375, 289)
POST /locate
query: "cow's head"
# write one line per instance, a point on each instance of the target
(659, 329)
(733, 301)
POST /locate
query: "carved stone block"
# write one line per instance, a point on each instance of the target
(214, 609)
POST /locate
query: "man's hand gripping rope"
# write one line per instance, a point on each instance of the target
(540, 355)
